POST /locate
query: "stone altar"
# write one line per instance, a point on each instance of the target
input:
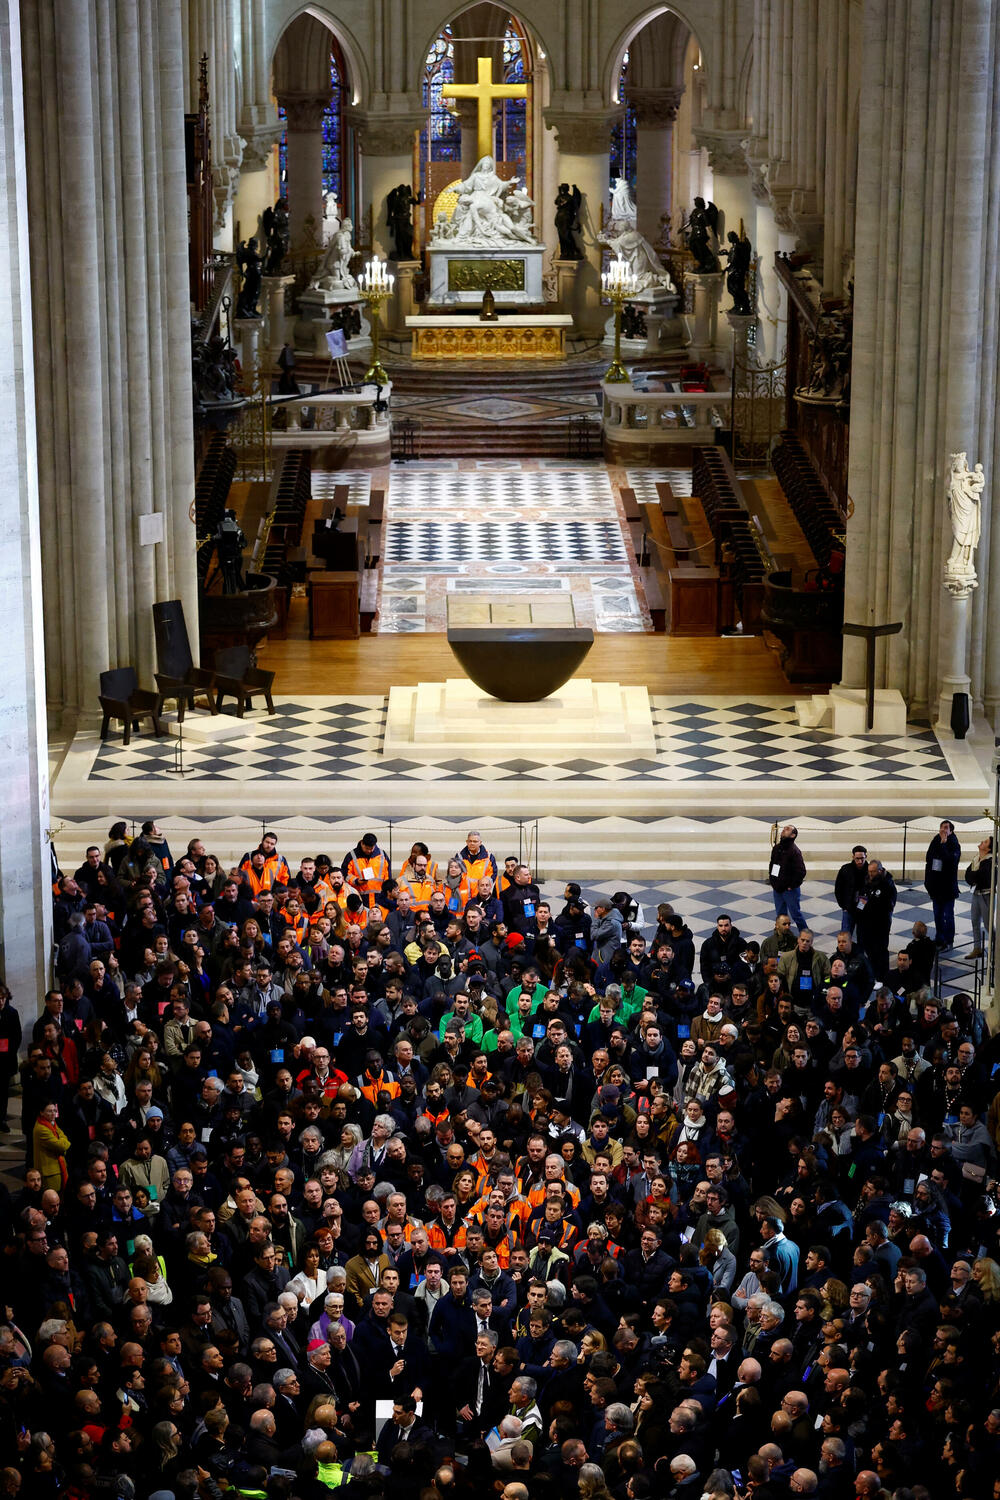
(487, 242)
(463, 336)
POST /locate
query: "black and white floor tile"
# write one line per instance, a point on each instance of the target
(342, 739)
(326, 481)
(644, 482)
(439, 545)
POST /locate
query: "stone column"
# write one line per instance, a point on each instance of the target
(274, 288)
(386, 161)
(584, 159)
(655, 113)
(24, 788)
(112, 344)
(304, 124)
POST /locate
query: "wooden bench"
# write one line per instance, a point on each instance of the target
(376, 521)
(655, 598)
(694, 600)
(631, 504)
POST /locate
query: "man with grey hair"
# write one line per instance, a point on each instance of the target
(684, 1473)
(522, 1399)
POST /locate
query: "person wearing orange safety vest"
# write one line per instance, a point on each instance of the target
(555, 1176)
(509, 870)
(295, 918)
(421, 886)
(458, 889)
(258, 874)
(375, 1080)
(365, 867)
(477, 859)
(275, 864)
(410, 864)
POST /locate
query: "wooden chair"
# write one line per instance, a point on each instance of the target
(185, 681)
(236, 677)
(122, 698)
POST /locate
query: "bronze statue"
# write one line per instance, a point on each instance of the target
(399, 205)
(286, 364)
(568, 201)
(704, 221)
(249, 263)
(739, 255)
(274, 222)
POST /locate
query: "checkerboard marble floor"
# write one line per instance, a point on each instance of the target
(714, 739)
(544, 525)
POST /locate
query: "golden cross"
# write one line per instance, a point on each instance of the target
(484, 91)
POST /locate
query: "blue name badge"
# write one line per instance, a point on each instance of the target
(805, 982)
(277, 1054)
(683, 1030)
(529, 908)
(537, 1031)
(580, 943)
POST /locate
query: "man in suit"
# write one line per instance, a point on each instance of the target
(724, 1360)
(475, 1387)
(405, 1362)
(405, 1427)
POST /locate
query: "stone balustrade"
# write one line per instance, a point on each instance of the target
(638, 424)
(339, 419)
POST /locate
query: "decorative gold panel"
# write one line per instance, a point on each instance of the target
(491, 341)
(477, 275)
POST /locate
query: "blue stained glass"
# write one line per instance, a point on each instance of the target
(623, 141)
(332, 130)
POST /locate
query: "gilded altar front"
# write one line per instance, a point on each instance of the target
(478, 275)
(488, 341)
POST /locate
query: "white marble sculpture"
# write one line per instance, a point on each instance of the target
(651, 275)
(488, 213)
(331, 217)
(965, 495)
(334, 271)
(622, 203)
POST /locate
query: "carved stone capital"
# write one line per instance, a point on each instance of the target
(960, 583)
(225, 179)
(260, 139)
(726, 151)
(386, 135)
(304, 111)
(583, 134)
(655, 107)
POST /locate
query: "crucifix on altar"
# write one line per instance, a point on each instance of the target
(484, 91)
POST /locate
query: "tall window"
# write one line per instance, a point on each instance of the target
(441, 137)
(332, 129)
(511, 132)
(623, 152)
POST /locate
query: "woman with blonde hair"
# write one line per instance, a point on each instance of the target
(986, 1275)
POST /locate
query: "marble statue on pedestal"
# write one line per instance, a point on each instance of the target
(648, 269)
(489, 212)
(965, 494)
(331, 217)
(334, 271)
(622, 203)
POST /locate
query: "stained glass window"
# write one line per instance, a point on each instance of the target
(623, 152)
(511, 136)
(332, 129)
(441, 137)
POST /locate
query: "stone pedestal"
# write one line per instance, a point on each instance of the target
(740, 323)
(707, 286)
(565, 271)
(844, 710)
(955, 631)
(248, 332)
(438, 719)
(402, 304)
(664, 328)
(274, 288)
(317, 306)
(460, 275)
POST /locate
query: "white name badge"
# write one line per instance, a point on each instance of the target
(775, 871)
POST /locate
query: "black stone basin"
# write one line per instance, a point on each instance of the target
(520, 663)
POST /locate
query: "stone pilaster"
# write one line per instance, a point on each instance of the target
(24, 809)
(655, 113)
(106, 192)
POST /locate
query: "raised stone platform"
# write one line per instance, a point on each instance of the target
(440, 720)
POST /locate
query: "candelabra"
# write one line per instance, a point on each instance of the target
(375, 284)
(618, 285)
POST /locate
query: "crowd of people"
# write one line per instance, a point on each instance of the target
(418, 1185)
